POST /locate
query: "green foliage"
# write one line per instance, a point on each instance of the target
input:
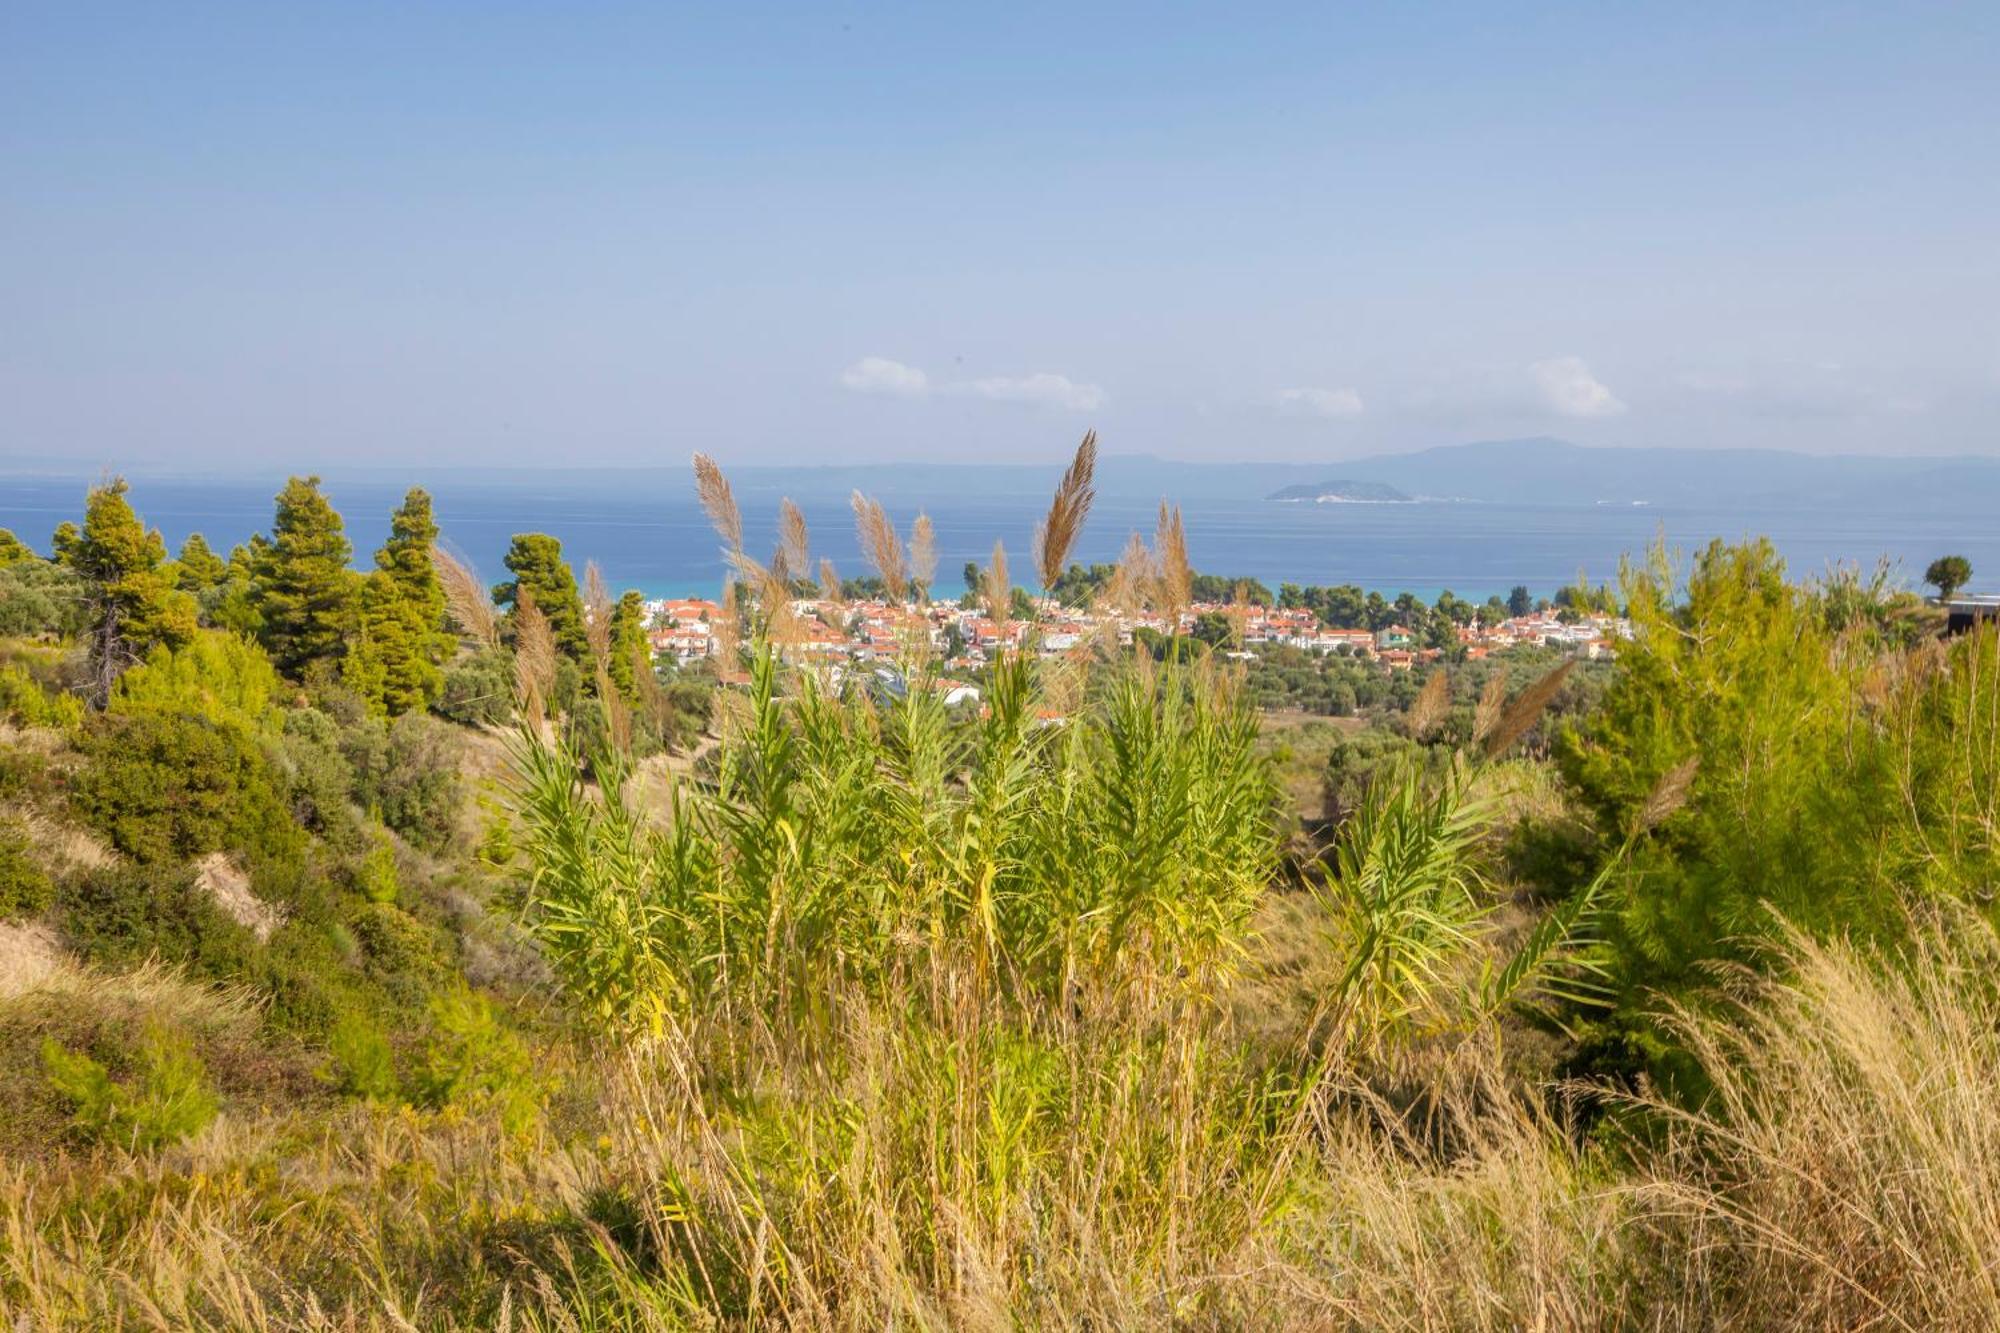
(166, 1099)
(317, 778)
(122, 914)
(630, 656)
(25, 888)
(1741, 681)
(406, 559)
(214, 675)
(303, 587)
(167, 787)
(389, 662)
(473, 1060)
(360, 1062)
(535, 559)
(1124, 847)
(479, 689)
(132, 603)
(13, 551)
(41, 599)
(1948, 573)
(408, 773)
(1404, 893)
(376, 876)
(27, 702)
(197, 568)
(399, 638)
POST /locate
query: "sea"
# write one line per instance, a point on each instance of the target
(645, 530)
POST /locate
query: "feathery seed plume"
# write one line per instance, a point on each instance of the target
(923, 553)
(1174, 574)
(1669, 794)
(596, 613)
(829, 580)
(999, 589)
(534, 657)
(793, 560)
(718, 501)
(465, 598)
(1491, 700)
(880, 544)
(1429, 708)
(1059, 529)
(1527, 708)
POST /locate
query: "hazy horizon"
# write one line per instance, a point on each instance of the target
(516, 235)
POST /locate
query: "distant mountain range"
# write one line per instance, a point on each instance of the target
(1342, 492)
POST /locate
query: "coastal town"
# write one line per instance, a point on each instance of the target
(689, 630)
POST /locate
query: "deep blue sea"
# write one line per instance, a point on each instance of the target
(646, 531)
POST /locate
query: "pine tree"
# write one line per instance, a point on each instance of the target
(630, 653)
(535, 560)
(406, 559)
(62, 546)
(13, 551)
(386, 663)
(199, 567)
(303, 585)
(133, 604)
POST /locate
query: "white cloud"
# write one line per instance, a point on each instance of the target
(1569, 389)
(1330, 403)
(1043, 389)
(878, 374)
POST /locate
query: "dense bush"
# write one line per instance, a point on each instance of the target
(166, 1099)
(166, 787)
(407, 772)
(40, 599)
(25, 888)
(479, 689)
(317, 777)
(216, 675)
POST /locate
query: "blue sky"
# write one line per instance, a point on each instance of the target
(605, 234)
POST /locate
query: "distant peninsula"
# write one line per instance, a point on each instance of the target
(1343, 492)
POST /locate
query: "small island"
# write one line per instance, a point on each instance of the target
(1342, 492)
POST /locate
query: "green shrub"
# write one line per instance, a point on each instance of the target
(26, 702)
(376, 876)
(403, 955)
(479, 689)
(475, 1060)
(216, 675)
(167, 1099)
(317, 779)
(408, 772)
(125, 913)
(41, 599)
(25, 888)
(167, 787)
(359, 1061)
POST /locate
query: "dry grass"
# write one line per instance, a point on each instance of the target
(966, 1170)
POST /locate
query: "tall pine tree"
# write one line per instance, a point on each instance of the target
(303, 585)
(386, 663)
(535, 560)
(133, 604)
(400, 638)
(630, 653)
(199, 568)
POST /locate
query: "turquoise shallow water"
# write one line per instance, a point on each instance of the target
(648, 533)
